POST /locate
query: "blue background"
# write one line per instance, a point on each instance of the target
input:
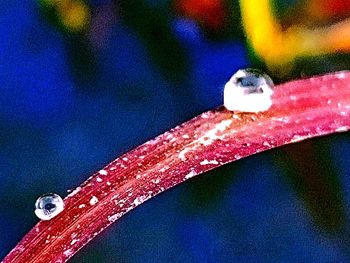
(57, 127)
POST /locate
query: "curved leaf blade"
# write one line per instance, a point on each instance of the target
(301, 109)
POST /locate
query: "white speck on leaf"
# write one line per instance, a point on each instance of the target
(74, 241)
(267, 144)
(211, 135)
(103, 172)
(93, 200)
(114, 217)
(182, 154)
(139, 200)
(75, 191)
(205, 162)
(155, 181)
(190, 175)
(342, 129)
(68, 252)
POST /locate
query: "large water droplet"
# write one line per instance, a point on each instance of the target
(48, 206)
(248, 90)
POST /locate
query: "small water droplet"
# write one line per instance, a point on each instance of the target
(248, 90)
(48, 206)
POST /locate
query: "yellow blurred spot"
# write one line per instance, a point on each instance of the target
(75, 15)
(338, 36)
(279, 48)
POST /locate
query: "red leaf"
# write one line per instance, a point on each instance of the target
(301, 109)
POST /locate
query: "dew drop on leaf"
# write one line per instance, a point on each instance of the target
(248, 90)
(48, 206)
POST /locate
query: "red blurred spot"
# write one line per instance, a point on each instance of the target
(329, 9)
(211, 14)
(337, 7)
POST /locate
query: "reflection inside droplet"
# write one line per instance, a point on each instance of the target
(48, 206)
(248, 90)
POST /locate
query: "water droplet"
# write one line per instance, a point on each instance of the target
(48, 206)
(248, 90)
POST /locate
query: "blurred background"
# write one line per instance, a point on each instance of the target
(83, 81)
